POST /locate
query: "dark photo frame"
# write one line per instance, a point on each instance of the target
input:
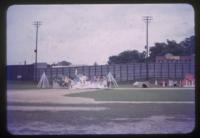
(164, 70)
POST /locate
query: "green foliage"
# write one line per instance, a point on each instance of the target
(184, 48)
(63, 63)
(127, 57)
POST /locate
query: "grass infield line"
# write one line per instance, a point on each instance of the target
(148, 102)
(51, 108)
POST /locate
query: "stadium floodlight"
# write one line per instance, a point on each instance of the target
(147, 20)
(37, 24)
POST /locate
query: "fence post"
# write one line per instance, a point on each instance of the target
(51, 76)
(56, 72)
(69, 71)
(190, 66)
(94, 70)
(120, 69)
(114, 70)
(182, 74)
(126, 72)
(89, 72)
(161, 73)
(101, 71)
(140, 71)
(63, 71)
(154, 71)
(38, 74)
(107, 69)
(168, 69)
(82, 69)
(133, 71)
(175, 69)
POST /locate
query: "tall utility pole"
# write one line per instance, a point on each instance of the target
(37, 24)
(147, 20)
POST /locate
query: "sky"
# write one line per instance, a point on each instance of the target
(89, 33)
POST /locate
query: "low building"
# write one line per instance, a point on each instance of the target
(171, 58)
(42, 65)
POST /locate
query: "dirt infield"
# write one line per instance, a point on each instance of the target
(61, 95)
(47, 96)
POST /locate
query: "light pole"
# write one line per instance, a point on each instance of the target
(37, 24)
(147, 20)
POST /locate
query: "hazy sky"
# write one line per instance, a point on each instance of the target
(83, 34)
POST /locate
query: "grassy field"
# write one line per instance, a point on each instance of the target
(114, 118)
(21, 85)
(32, 85)
(139, 95)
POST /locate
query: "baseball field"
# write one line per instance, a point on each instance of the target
(100, 111)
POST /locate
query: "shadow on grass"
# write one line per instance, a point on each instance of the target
(21, 85)
(138, 95)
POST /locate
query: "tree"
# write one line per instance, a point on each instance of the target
(184, 48)
(127, 57)
(63, 63)
(188, 45)
(173, 48)
(157, 50)
(95, 63)
(113, 60)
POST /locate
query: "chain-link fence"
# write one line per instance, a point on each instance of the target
(124, 72)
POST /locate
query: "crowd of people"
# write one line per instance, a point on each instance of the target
(82, 80)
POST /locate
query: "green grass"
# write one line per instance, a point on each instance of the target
(21, 85)
(127, 85)
(31, 85)
(139, 95)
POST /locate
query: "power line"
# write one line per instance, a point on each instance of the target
(37, 24)
(147, 20)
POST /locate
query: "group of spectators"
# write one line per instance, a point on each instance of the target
(67, 82)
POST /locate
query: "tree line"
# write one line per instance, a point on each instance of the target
(184, 48)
